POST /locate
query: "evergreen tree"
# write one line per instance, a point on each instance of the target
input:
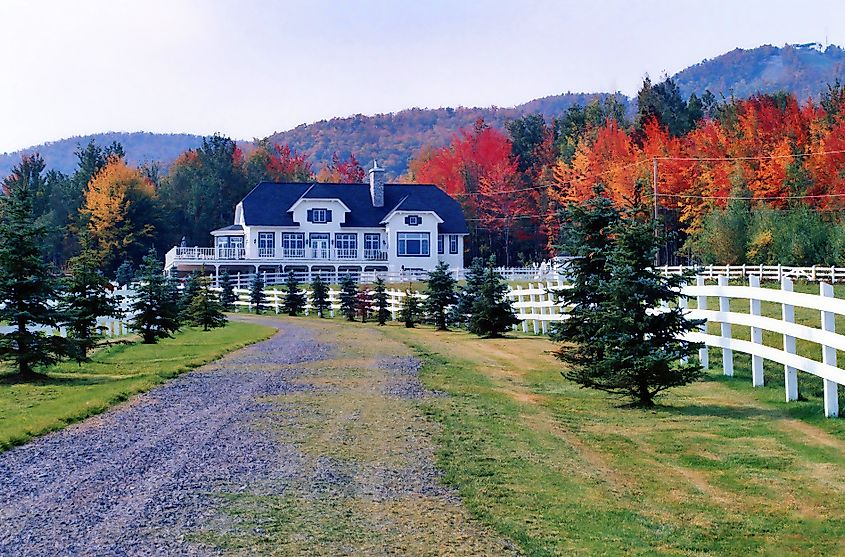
(380, 300)
(319, 295)
(294, 298)
(363, 304)
(85, 297)
(205, 309)
(585, 235)
(461, 311)
(27, 287)
(227, 292)
(256, 294)
(492, 311)
(155, 303)
(124, 274)
(192, 286)
(410, 309)
(441, 293)
(348, 297)
(633, 350)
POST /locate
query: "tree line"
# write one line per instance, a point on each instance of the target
(719, 160)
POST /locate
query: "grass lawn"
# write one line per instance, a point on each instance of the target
(72, 392)
(718, 468)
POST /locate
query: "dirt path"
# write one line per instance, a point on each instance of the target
(312, 442)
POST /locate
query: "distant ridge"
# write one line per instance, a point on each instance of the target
(803, 69)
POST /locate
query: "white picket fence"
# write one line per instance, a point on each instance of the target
(536, 308)
(110, 326)
(815, 273)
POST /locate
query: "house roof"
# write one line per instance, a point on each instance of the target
(268, 203)
(230, 228)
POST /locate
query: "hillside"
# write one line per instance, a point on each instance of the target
(393, 138)
(804, 70)
(140, 147)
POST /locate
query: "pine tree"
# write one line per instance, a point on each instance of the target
(632, 350)
(256, 294)
(319, 295)
(27, 287)
(294, 298)
(585, 235)
(124, 274)
(348, 296)
(85, 297)
(227, 292)
(461, 311)
(380, 300)
(492, 312)
(155, 304)
(441, 293)
(363, 304)
(410, 309)
(192, 286)
(205, 309)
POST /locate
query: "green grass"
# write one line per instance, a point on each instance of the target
(70, 392)
(719, 468)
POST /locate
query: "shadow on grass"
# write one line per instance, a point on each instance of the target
(722, 411)
(43, 380)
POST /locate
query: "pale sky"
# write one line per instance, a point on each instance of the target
(247, 68)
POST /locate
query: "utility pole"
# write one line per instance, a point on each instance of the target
(654, 183)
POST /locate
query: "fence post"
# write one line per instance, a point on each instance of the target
(701, 302)
(757, 379)
(727, 353)
(533, 307)
(521, 308)
(683, 305)
(790, 374)
(831, 394)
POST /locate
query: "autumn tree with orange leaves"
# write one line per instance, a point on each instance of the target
(120, 210)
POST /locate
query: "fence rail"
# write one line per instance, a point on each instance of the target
(815, 273)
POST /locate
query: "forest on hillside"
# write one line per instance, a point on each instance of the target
(757, 180)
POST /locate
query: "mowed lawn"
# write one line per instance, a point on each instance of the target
(718, 468)
(72, 392)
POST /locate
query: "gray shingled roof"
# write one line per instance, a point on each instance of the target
(268, 203)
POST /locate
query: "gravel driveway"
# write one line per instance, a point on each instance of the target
(150, 476)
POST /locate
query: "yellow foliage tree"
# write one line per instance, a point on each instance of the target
(120, 210)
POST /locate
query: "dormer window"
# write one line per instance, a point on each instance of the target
(413, 220)
(319, 216)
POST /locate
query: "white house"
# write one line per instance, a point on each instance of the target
(334, 229)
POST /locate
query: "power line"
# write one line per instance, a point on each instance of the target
(752, 198)
(755, 157)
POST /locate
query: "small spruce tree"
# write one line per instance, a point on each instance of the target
(410, 312)
(441, 294)
(227, 292)
(86, 295)
(294, 297)
(189, 291)
(492, 312)
(462, 309)
(124, 274)
(319, 295)
(348, 297)
(623, 346)
(205, 309)
(256, 294)
(380, 300)
(363, 304)
(155, 304)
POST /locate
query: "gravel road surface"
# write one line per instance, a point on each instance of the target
(146, 478)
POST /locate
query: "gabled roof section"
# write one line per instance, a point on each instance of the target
(230, 228)
(268, 203)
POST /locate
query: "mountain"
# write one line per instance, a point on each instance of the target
(803, 69)
(140, 147)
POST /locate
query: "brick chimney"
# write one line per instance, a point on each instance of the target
(377, 185)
